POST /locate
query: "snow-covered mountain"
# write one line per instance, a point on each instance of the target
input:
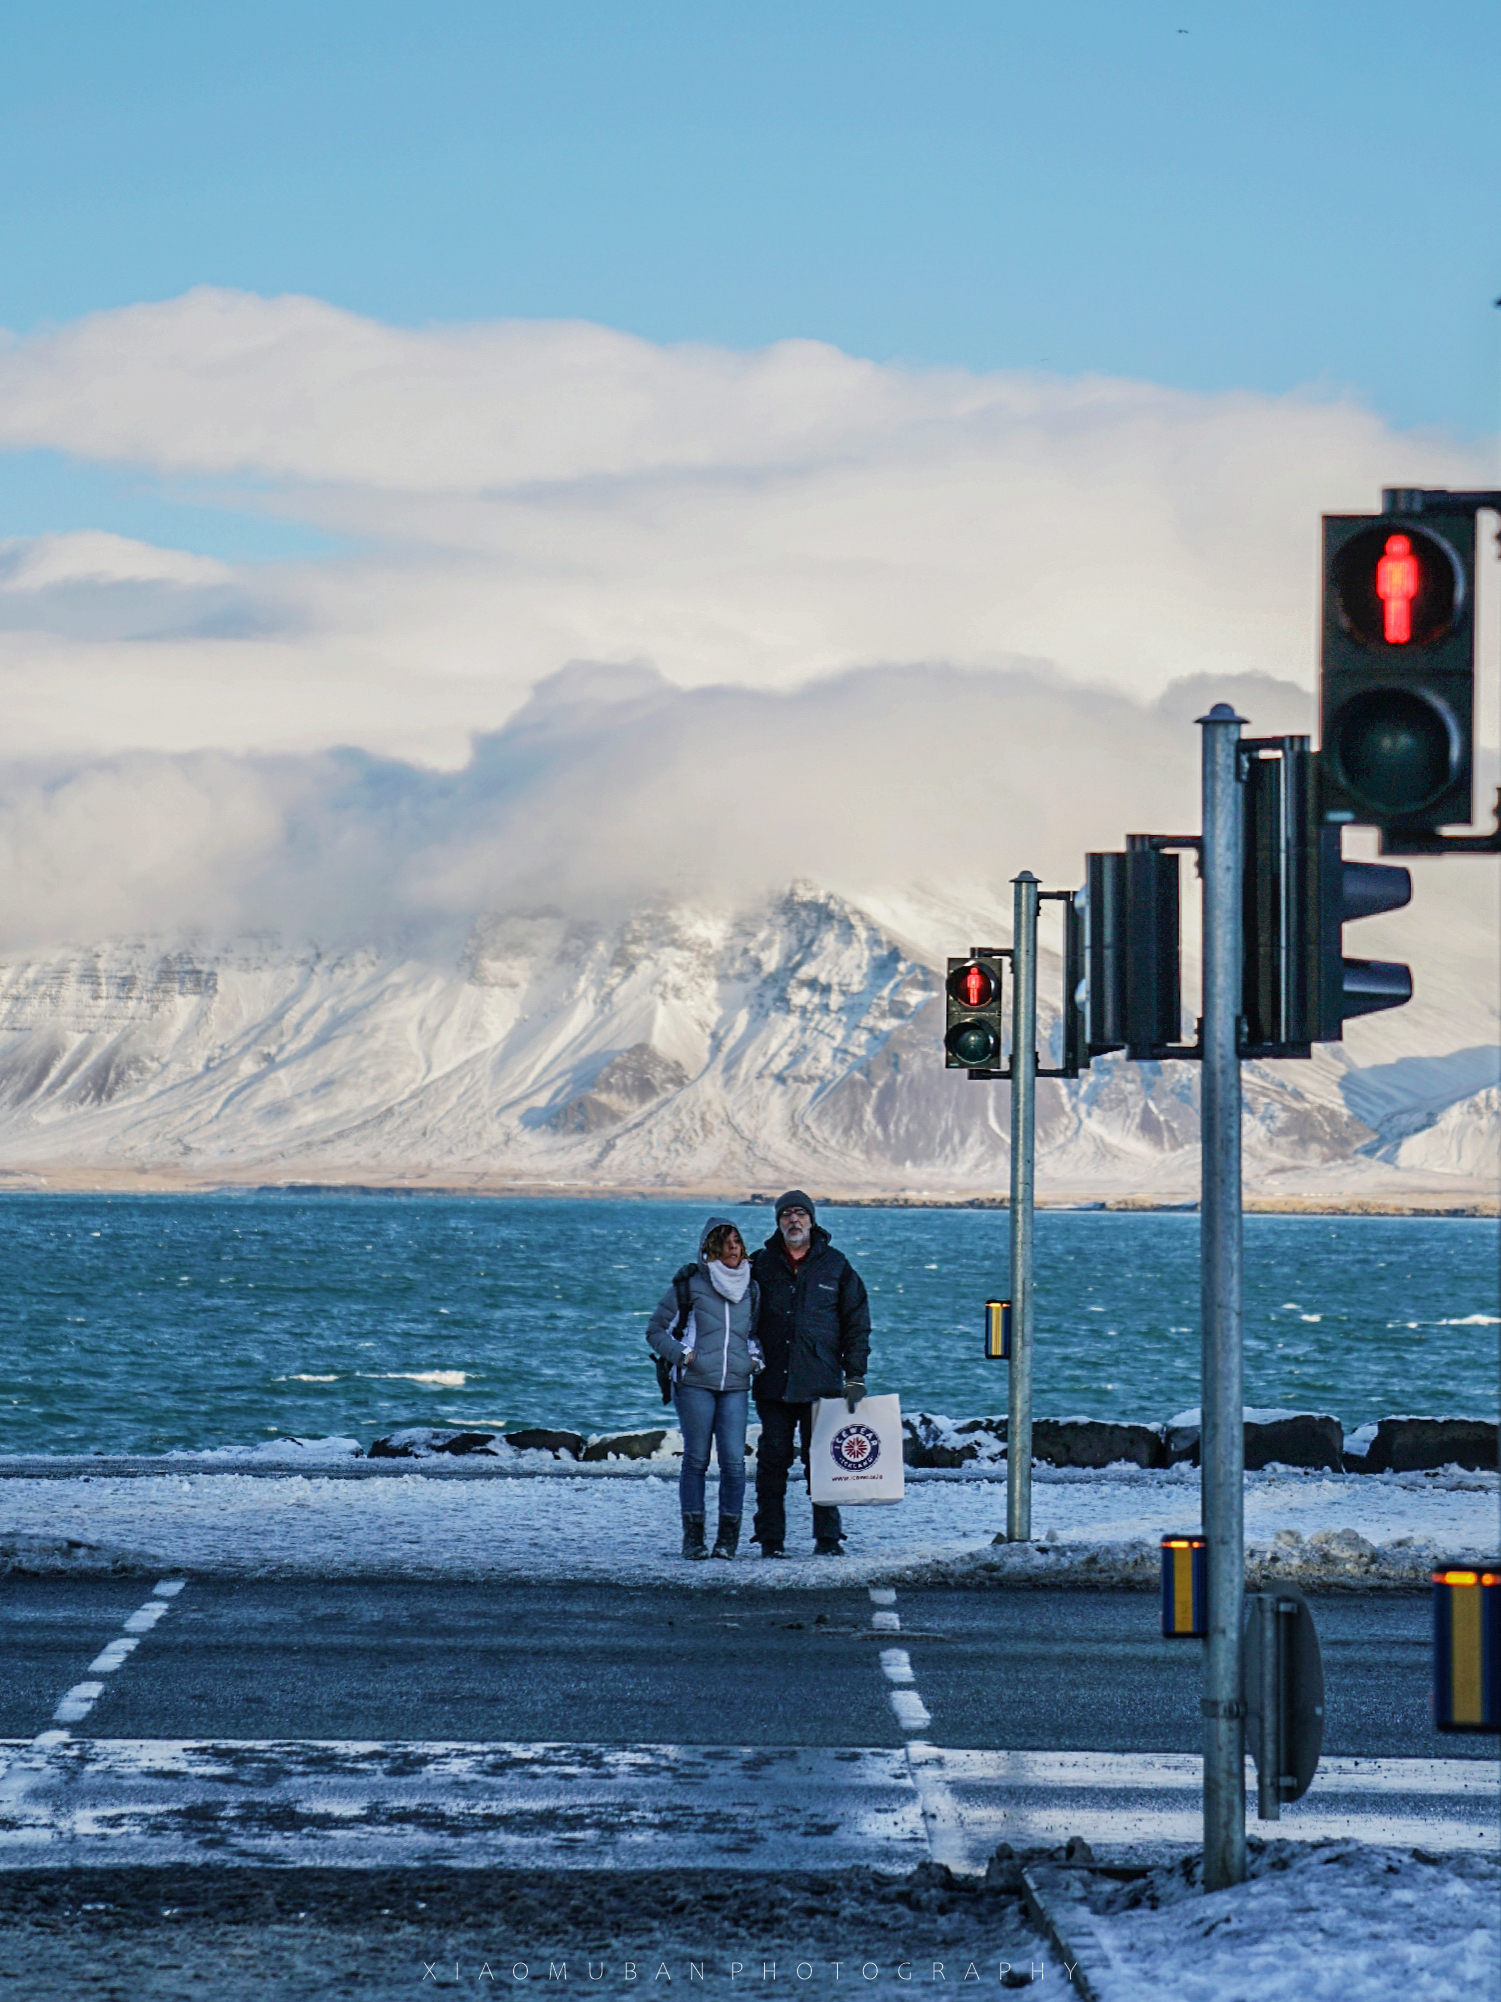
(677, 1048)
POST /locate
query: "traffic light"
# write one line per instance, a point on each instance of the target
(1131, 952)
(972, 1039)
(1282, 935)
(1467, 1649)
(1074, 1015)
(1350, 890)
(1299, 892)
(1397, 690)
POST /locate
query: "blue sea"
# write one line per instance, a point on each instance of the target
(143, 1323)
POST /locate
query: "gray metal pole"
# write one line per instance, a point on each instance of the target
(1222, 1434)
(1023, 1149)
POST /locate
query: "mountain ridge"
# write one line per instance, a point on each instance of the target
(676, 1046)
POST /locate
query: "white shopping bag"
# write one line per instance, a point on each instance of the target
(857, 1455)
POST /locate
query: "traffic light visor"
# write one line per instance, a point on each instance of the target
(972, 986)
(1397, 586)
(1396, 749)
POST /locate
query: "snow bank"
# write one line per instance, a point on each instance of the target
(568, 1521)
(1348, 1921)
(288, 1452)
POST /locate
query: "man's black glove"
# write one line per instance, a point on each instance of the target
(854, 1390)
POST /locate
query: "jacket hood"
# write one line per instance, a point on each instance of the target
(715, 1223)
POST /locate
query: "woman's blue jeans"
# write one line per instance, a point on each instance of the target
(716, 1417)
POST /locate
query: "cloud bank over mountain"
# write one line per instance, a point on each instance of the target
(505, 499)
(606, 786)
(611, 789)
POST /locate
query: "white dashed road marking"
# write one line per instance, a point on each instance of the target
(82, 1697)
(943, 1823)
(911, 1712)
(113, 1657)
(78, 1702)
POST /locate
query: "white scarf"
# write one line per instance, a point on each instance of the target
(730, 1282)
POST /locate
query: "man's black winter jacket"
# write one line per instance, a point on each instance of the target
(814, 1328)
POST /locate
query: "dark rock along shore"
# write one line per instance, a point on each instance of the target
(1295, 1439)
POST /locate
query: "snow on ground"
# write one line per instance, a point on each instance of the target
(1351, 1922)
(556, 1520)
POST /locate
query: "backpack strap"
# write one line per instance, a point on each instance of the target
(685, 1308)
(680, 1280)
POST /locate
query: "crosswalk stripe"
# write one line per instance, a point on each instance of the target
(660, 1805)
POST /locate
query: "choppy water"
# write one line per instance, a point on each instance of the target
(143, 1323)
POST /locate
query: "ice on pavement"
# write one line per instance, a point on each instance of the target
(1313, 1527)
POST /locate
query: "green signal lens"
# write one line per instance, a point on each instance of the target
(975, 1044)
(1396, 750)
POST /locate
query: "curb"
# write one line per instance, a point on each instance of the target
(1056, 1903)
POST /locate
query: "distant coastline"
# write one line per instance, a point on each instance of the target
(1466, 1201)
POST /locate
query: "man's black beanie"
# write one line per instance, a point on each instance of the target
(796, 1200)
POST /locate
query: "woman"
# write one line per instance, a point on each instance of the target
(705, 1330)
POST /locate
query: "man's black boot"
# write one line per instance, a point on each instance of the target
(728, 1540)
(693, 1536)
(828, 1546)
(772, 1550)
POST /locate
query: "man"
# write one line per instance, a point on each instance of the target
(814, 1332)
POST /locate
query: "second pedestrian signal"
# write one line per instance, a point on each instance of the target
(973, 1035)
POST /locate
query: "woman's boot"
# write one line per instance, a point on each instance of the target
(728, 1540)
(693, 1535)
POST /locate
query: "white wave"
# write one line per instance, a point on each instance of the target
(437, 1379)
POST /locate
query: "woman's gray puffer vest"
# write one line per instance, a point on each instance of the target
(723, 1330)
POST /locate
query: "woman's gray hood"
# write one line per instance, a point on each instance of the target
(714, 1223)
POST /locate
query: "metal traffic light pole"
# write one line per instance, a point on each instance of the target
(1222, 1451)
(1023, 1152)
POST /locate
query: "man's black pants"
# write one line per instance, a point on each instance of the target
(780, 1426)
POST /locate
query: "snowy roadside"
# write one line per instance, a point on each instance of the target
(621, 1524)
(1350, 1921)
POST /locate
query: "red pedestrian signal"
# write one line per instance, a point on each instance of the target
(972, 986)
(1397, 586)
(1397, 680)
(1397, 578)
(973, 1039)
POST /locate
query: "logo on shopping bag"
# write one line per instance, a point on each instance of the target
(855, 1448)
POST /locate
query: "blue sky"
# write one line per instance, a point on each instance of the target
(1277, 229)
(1280, 196)
(337, 256)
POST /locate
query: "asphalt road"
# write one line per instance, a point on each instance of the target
(1024, 1670)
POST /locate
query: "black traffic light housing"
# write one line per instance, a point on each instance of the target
(1350, 890)
(1298, 987)
(1397, 681)
(1282, 932)
(974, 1032)
(974, 1038)
(1132, 953)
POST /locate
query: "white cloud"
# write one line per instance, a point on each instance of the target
(43, 562)
(611, 786)
(517, 496)
(611, 620)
